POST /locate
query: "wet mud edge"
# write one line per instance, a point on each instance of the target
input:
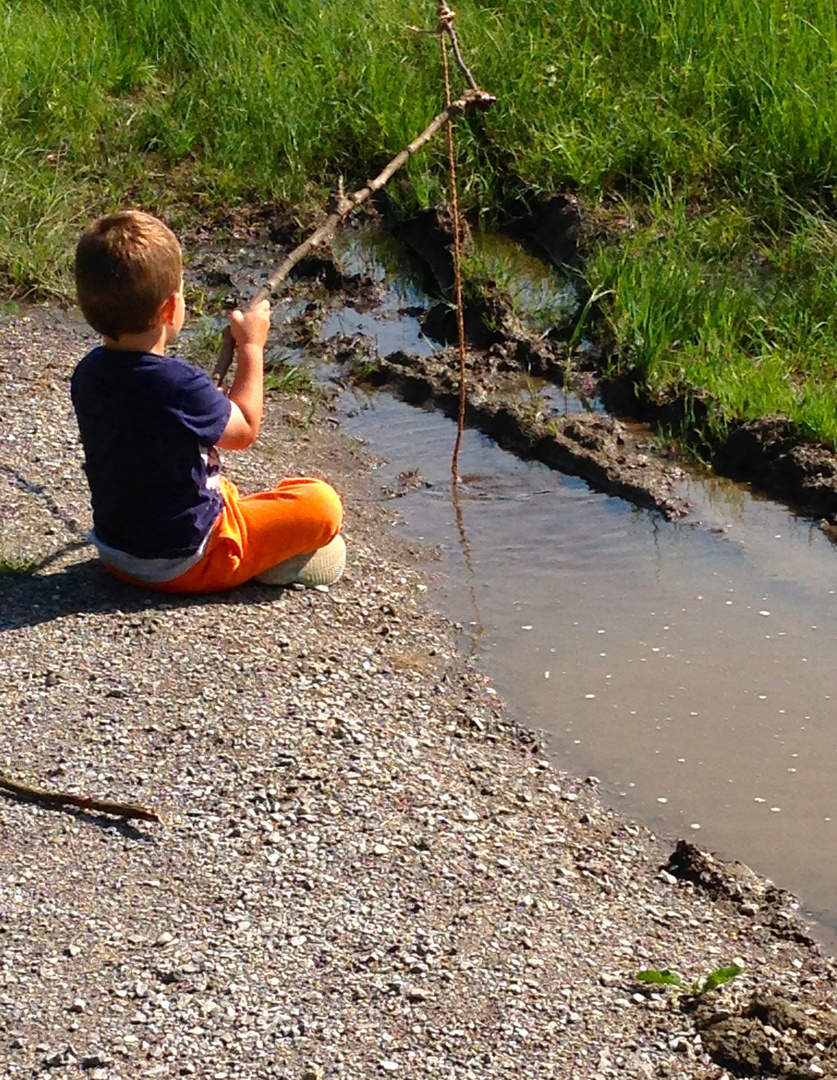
(603, 450)
(770, 453)
(598, 448)
(502, 355)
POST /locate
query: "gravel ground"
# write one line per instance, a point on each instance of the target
(366, 868)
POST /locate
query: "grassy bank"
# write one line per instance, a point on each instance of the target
(709, 119)
(715, 306)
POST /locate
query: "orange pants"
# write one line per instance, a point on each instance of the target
(255, 532)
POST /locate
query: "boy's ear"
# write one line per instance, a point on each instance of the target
(168, 311)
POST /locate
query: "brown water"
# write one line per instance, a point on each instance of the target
(691, 666)
(693, 673)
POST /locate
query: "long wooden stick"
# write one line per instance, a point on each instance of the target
(83, 802)
(347, 204)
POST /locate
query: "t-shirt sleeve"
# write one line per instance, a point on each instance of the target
(199, 405)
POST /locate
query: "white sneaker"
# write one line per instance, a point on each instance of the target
(321, 567)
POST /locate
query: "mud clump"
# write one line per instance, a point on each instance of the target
(770, 1036)
(769, 453)
(488, 321)
(767, 1033)
(555, 225)
(775, 909)
(429, 235)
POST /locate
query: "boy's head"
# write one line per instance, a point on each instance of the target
(128, 265)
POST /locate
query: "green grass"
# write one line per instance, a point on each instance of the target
(710, 119)
(287, 377)
(104, 100)
(715, 305)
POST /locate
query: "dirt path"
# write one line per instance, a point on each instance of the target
(368, 869)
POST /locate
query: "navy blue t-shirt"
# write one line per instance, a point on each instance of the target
(148, 426)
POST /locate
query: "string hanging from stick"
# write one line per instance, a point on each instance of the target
(445, 19)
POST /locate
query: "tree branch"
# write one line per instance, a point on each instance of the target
(347, 204)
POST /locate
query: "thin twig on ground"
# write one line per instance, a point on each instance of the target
(30, 793)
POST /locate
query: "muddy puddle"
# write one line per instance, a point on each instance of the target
(692, 673)
(689, 665)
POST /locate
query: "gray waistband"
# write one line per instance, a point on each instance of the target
(153, 571)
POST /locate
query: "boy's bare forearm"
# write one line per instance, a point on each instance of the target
(247, 390)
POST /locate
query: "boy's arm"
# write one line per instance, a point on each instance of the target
(249, 331)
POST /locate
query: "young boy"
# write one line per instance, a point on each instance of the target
(163, 515)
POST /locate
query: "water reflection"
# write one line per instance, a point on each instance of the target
(471, 577)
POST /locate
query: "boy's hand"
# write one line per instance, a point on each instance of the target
(252, 326)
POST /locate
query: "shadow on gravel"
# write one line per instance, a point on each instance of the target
(86, 588)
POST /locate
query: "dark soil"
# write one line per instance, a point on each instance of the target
(769, 1037)
(776, 909)
(768, 452)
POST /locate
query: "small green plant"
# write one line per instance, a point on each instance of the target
(17, 563)
(712, 981)
(289, 379)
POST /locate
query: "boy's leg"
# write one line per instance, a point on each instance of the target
(255, 532)
(296, 517)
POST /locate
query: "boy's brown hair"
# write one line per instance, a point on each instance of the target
(127, 265)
